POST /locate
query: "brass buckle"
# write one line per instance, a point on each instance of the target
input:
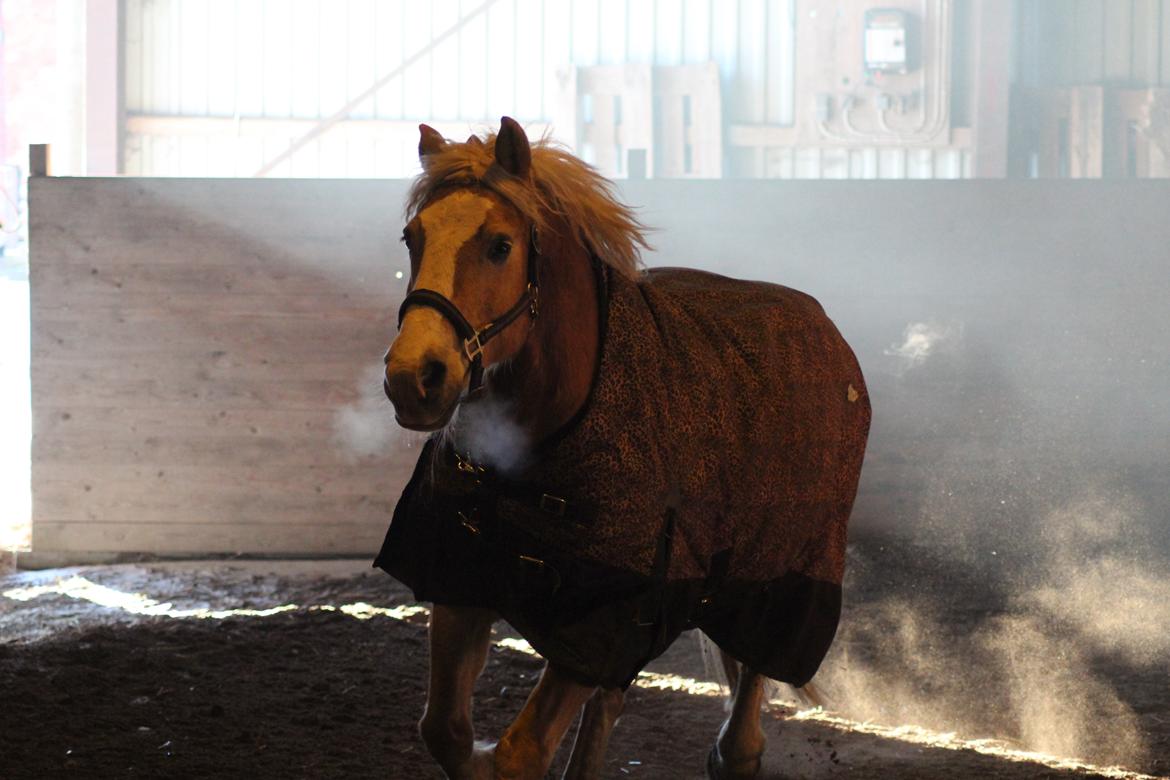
(467, 467)
(553, 505)
(543, 569)
(533, 299)
(468, 523)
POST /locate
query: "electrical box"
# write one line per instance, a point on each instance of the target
(886, 47)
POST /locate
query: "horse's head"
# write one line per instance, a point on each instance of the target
(469, 269)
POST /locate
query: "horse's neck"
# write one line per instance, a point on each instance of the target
(549, 379)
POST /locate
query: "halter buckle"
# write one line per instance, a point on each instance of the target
(533, 299)
(473, 347)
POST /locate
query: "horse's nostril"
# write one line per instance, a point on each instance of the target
(431, 375)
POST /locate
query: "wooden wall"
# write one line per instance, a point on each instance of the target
(201, 353)
(206, 352)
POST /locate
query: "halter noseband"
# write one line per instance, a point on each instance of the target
(474, 338)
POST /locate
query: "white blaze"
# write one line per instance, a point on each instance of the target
(448, 225)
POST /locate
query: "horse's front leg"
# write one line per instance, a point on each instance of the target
(460, 638)
(528, 746)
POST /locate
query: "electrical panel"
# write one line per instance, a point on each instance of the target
(875, 72)
(886, 41)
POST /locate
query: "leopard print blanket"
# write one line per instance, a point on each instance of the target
(707, 482)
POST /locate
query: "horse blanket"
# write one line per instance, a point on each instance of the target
(707, 482)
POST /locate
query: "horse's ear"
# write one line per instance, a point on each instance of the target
(513, 153)
(475, 140)
(429, 141)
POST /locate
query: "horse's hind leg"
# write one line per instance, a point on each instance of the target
(460, 638)
(597, 721)
(738, 752)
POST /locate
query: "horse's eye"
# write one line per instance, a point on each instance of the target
(499, 250)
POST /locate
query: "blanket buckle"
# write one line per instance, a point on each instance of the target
(554, 505)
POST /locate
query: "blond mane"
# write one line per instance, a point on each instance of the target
(561, 185)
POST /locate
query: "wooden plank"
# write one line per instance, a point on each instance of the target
(1086, 133)
(689, 125)
(992, 76)
(257, 438)
(198, 538)
(361, 477)
(194, 388)
(210, 505)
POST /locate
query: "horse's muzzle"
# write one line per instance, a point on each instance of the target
(422, 397)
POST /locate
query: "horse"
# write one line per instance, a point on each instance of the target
(616, 455)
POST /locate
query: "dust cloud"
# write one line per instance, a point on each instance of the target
(920, 340)
(1036, 658)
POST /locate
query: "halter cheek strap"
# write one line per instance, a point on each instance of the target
(474, 339)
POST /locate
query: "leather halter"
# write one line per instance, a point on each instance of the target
(474, 339)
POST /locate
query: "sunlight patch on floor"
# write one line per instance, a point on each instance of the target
(135, 603)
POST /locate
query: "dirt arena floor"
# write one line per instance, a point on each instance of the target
(140, 670)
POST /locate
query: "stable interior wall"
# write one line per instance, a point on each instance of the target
(206, 354)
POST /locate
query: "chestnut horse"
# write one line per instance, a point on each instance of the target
(553, 372)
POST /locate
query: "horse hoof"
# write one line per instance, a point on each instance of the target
(719, 769)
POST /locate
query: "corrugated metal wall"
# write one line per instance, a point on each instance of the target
(1121, 43)
(222, 87)
(304, 59)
